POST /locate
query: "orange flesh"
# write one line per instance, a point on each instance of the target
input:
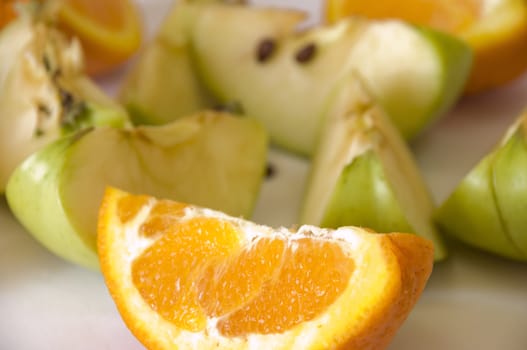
(447, 15)
(108, 31)
(162, 217)
(165, 273)
(304, 287)
(198, 270)
(107, 13)
(226, 285)
(129, 206)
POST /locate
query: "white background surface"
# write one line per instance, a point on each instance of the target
(472, 301)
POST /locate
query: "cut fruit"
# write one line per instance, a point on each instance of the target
(283, 77)
(205, 280)
(487, 208)
(211, 159)
(8, 11)
(162, 84)
(44, 92)
(496, 30)
(363, 173)
(110, 31)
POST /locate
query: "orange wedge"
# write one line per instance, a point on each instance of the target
(7, 11)
(109, 31)
(187, 277)
(496, 30)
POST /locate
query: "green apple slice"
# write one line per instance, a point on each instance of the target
(363, 173)
(283, 77)
(510, 185)
(162, 85)
(211, 159)
(487, 208)
(44, 93)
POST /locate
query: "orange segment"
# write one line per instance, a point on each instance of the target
(447, 15)
(496, 30)
(8, 11)
(229, 283)
(165, 273)
(209, 280)
(109, 31)
(312, 275)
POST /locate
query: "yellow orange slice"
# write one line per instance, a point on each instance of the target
(495, 29)
(110, 30)
(187, 277)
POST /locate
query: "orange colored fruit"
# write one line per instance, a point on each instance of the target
(8, 11)
(188, 277)
(109, 31)
(496, 30)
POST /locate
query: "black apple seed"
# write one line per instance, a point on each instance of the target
(265, 49)
(306, 53)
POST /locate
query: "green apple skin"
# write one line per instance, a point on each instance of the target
(415, 73)
(487, 208)
(363, 197)
(210, 159)
(510, 186)
(455, 60)
(363, 173)
(44, 93)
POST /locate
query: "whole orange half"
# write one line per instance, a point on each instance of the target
(496, 30)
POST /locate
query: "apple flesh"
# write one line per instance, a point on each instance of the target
(209, 159)
(364, 175)
(162, 85)
(44, 93)
(284, 77)
(487, 208)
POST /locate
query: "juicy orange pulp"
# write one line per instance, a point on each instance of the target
(220, 287)
(109, 31)
(495, 30)
(185, 275)
(230, 284)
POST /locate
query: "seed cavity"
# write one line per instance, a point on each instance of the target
(265, 49)
(233, 107)
(39, 132)
(46, 63)
(270, 171)
(43, 110)
(306, 53)
(66, 98)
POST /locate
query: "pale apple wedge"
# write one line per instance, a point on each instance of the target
(44, 93)
(284, 77)
(363, 173)
(163, 85)
(212, 159)
(487, 209)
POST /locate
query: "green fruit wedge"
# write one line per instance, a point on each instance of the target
(162, 85)
(211, 159)
(487, 208)
(44, 93)
(363, 173)
(284, 77)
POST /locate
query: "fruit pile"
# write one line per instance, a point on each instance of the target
(190, 131)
